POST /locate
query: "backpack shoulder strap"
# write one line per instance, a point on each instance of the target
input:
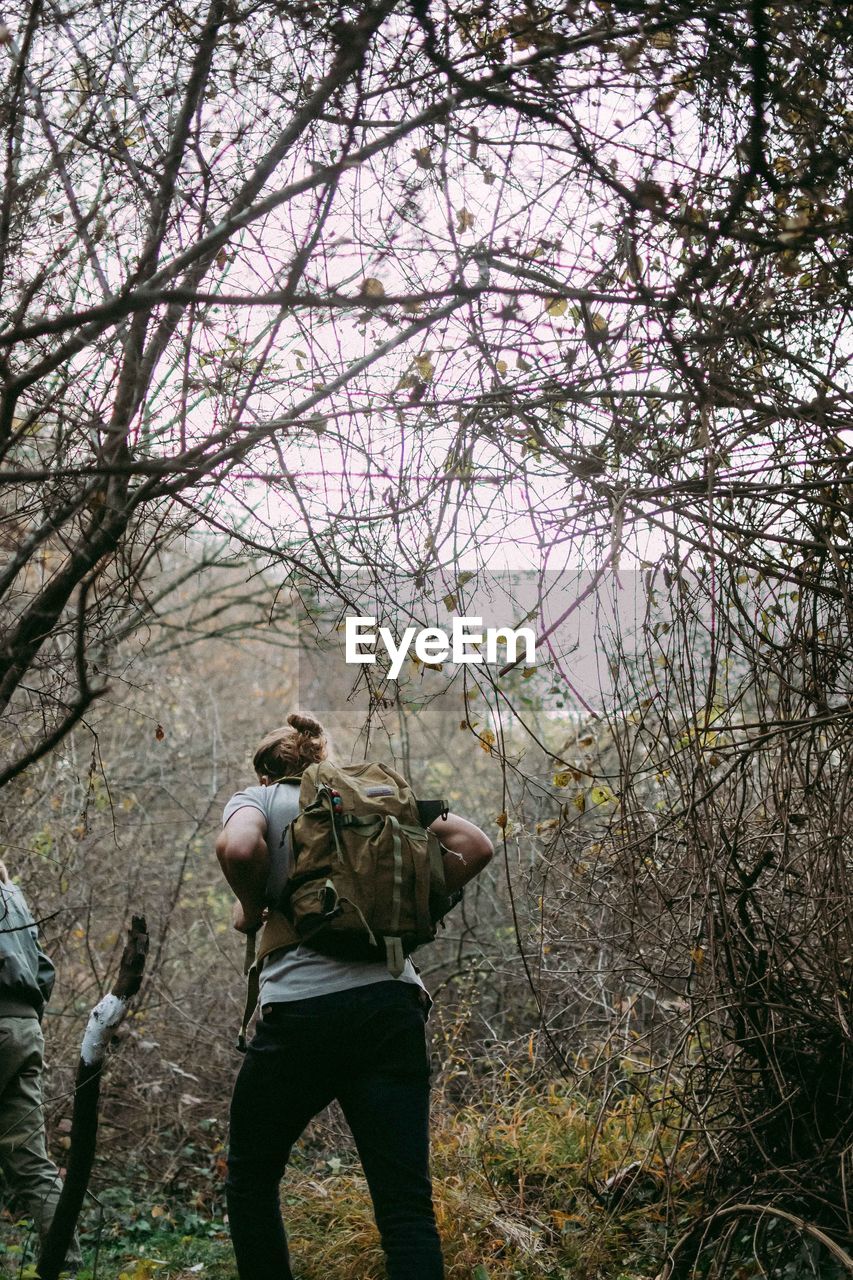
(250, 969)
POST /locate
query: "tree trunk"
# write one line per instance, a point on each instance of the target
(104, 1020)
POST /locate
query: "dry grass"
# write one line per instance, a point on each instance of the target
(519, 1193)
(520, 1177)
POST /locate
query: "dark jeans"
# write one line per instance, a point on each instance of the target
(366, 1047)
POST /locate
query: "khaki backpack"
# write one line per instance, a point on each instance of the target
(368, 878)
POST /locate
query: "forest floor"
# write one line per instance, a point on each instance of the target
(520, 1194)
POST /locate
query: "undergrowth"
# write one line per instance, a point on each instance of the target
(520, 1192)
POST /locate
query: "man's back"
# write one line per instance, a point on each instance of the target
(361, 1041)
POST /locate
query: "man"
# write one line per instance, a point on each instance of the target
(26, 981)
(330, 1028)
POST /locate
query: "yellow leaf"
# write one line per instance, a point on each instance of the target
(372, 288)
(425, 366)
(601, 794)
(501, 821)
(557, 307)
(522, 26)
(501, 366)
(562, 779)
(599, 322)
(465, 221)
(793, 228)
(579, 801)
(664, 101)
(697, 955)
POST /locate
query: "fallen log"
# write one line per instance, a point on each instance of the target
(104, 1020)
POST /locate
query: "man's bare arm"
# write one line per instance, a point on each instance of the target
(243, 855)
(469, 849)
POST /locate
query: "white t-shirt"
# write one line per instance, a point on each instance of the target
(299, 973)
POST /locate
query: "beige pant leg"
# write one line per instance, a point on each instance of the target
(33, 1177)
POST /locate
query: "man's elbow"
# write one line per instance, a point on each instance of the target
(476, 851)
(233, 849)
(483, 851)
(473, 857)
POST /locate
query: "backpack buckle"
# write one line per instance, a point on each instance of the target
(395, 959)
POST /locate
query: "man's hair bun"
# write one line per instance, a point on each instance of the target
(305, 724)
(287, 751)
